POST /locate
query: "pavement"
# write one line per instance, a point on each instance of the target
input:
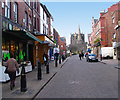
(33, 84)
(112, 62)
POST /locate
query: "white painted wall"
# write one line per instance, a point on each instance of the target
(43, 21)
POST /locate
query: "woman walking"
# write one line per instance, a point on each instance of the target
(12, 67)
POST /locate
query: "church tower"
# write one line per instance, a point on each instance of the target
(79, 35)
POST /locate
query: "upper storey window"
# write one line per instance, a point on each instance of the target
(7, 9)
(15, 12)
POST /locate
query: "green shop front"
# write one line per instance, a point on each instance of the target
(20, 42)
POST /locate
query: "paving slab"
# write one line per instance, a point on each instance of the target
(33, 84)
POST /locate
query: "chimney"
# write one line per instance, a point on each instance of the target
(102, 12)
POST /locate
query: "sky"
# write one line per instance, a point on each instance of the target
(69, 15)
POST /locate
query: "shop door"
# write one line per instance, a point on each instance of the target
(30, 49)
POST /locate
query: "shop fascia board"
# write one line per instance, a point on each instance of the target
(47, 39)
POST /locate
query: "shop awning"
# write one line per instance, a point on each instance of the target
(45, 39)
(32, 36)
(23, 35)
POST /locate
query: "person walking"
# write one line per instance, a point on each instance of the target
(12, 66)
(80, 56)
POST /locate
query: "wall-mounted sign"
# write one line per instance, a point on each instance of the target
(10, 27)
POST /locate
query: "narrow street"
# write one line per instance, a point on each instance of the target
(81, 79)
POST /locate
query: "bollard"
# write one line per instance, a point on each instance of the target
(39, 71)
(60, 60)
(23, 79)
(47, 68)
(56, 62)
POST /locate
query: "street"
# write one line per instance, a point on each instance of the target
(81, 79)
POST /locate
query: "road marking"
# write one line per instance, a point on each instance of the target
(74, 82)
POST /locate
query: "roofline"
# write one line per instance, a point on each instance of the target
(46, 10)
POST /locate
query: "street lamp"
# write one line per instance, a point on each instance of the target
(100, 49)
(0, 33)
(0, 44)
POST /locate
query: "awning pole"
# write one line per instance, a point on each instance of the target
(1, 46)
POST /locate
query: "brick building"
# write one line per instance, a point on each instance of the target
(103, 29)
(60, 42)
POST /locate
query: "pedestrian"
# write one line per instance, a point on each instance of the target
(45, 58)
(63, 58)
(86, 56)
(80, 56)
(12, 66)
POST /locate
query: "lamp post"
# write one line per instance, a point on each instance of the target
(100, 49)
(0, 33)
(1, 45)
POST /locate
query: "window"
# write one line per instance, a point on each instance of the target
(35, 22)
(26, 20)
(113, 19)
(7, 9)
(35, 4)
(29, 2)
(30, 23)
(47, 20)
(15, 12)
(43, 15)
(47, 31)
(43, 28)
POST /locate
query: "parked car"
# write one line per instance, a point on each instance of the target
(91, 57)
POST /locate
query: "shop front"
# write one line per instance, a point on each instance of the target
(46, 46)
(21, 43)
(117, 47)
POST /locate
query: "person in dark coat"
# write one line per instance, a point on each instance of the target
(80, 56)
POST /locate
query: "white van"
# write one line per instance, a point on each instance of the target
(107, 52)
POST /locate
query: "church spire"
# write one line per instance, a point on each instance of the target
(79, 30)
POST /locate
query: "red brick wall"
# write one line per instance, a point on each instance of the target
(22, 8)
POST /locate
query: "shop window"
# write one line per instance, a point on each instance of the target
(5, 50)
(16, 48)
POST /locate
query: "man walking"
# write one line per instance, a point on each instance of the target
(80, 56)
